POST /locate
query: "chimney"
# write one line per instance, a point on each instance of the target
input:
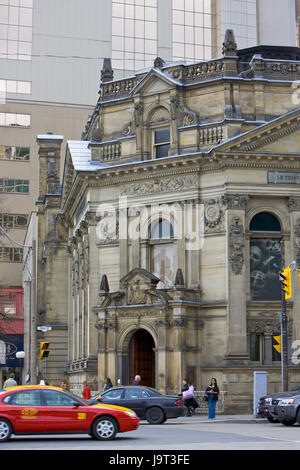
(49, 161)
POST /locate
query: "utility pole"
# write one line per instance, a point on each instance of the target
(284, 344)
(33, 325)
(286, 293)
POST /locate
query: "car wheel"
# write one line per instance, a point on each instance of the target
(155, 415)
(298, 416)
(5, 430)
(272, 420)
(288, 422)
(104, 428)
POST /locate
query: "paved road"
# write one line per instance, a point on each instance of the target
(195, 433)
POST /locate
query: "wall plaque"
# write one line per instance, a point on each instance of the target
(283, 177)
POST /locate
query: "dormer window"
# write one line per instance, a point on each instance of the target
(161, 143)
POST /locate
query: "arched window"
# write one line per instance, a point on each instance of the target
(160, 132)
(265, 257)
(265, 222)
(162, 229)
(162, 257)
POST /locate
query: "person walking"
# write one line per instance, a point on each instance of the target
(137, 380)
(213, 392)
(86, 393)
(187, 392)
(10, 382)
(108, 384)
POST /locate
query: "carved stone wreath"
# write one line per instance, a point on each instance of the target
(212, 213)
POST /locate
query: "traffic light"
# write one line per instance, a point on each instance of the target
(286, 281)
(277, 343)
(44, 351)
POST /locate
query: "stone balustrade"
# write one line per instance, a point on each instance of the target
(203, 406)
(211, 135)
(118, 88)
(106, 151)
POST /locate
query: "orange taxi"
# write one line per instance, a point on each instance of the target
(37, 409)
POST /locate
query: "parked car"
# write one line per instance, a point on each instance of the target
(43, 409)
(147, 402)
(266, 401)
(286, 409)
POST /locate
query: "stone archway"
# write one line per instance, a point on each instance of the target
(142, 357)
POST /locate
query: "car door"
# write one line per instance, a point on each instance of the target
(61, 415)
(135, 398)
(26, 411)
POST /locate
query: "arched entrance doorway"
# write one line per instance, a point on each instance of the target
(142, 358)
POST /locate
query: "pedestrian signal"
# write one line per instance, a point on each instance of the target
(277, 343)
(44, 351)
(286, 282)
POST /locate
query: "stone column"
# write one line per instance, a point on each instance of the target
(93, 282)
(100, 327)
(178, 371)
(236, 279)
(161, 355)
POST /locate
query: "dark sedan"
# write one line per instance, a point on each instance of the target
(147, 402)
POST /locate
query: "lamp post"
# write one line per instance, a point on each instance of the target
(20, 355)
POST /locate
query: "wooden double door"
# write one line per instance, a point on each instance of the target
(142, 358)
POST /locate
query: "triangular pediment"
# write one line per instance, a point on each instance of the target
(280, 135)
(139, 276)
(154, 81)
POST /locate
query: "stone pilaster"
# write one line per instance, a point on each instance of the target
(237, 350)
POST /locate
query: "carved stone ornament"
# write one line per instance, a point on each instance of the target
(158, 185)
(108, 228)
(136, 295)
(268, 325)
(181, 114)
(235, 201)
(159, 63)
(297, 242)
(138, 113)
(190, 117)
(294, 203)
(236, 257)
(236, 228)
(107, 73)
(236, 245)
(213, 215)
(128, 129)
(229, 45)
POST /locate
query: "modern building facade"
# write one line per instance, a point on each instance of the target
(178, 208)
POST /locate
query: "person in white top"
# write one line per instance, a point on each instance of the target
(10, 382)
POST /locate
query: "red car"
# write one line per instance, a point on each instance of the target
(36, 409)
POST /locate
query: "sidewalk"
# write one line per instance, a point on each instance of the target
(241, 419)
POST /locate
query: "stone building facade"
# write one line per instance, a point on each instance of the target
(159, 253)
